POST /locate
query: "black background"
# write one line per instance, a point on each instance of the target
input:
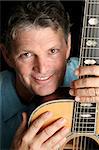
(75, 9)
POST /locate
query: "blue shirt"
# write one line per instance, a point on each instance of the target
(11, 106)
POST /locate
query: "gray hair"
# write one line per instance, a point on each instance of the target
(37, 14)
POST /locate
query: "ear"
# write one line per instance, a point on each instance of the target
(6, 55)
(68, 46)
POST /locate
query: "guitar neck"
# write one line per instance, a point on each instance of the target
(89, 50)
(85, 113)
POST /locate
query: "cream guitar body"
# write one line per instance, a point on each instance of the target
(81, 132)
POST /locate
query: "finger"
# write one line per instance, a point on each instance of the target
(56, 138)
(60, 144)
(50, 130)
(87, 70)
(84, 92)
(86, 82)
(93, 99)
(35, 126)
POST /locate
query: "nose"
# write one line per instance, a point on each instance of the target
(40, 65)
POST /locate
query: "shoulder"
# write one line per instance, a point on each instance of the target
(6, 79)
(72, 64)
(5, 75)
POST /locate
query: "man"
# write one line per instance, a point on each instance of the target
(38, 45)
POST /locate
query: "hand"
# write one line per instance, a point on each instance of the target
(52, 137)
(86, 88)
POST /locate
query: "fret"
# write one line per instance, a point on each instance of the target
(97, 15)
(89, 120)
(94, 3)
(84, 128)
(93, 27)
(90, 38)
(90, 48)
(84, 123)
(96, 58)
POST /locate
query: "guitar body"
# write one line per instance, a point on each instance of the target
(65, 108)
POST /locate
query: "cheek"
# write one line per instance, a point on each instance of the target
(60, 64)
(23, 68)
(60, 70)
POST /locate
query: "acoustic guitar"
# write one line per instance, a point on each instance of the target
(82, 118)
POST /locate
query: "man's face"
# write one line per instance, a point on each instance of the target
(38, 57)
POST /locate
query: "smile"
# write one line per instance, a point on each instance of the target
(42, 79)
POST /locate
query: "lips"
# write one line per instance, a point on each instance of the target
(41, 79)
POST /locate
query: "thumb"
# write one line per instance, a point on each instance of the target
(23, 124)
(20, 132)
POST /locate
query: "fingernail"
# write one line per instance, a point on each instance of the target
(62, 120)
(66, 130)
(72, 84)
(48, 114)
(71, 92)
(76, 72)
(77, 98)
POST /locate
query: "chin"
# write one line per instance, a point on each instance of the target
(45, 92)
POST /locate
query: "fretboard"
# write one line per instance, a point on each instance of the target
(89, 50)
(84, 119)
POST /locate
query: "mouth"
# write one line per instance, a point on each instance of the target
(42, 79)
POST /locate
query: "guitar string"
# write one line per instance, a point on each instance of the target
(77, 138)
(95, 12)
(73, 144)
(83, 64)
(85, 51)
(74, 140)
(91, 55)
(95, 35)
(92, 52)
(88, 54)
(90, 35)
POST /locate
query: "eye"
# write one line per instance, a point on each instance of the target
(53, 50)
(26, 55)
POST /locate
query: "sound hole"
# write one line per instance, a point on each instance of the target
(82, 143)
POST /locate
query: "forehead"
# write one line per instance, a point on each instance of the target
(41, 35)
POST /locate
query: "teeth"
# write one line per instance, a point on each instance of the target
(42, 78)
